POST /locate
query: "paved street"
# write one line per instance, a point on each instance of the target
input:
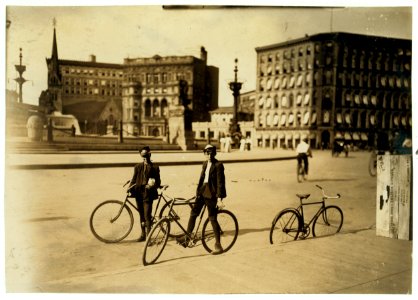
(49, 246)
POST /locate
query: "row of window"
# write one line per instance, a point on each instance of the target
(156, 108)
(159, 78)
(353, 79)
(355, 119)
(92, 91)
(96, 72)
(91, 82)
(353, 57)
(285, 100)
(385, 100)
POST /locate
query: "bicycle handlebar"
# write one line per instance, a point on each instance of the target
(325, 196)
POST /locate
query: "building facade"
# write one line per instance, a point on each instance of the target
(152, 91)
(140, 93)
(330, 86)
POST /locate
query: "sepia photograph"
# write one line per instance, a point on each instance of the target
(219, 149)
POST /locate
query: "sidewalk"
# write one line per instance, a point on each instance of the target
(346, 263)
(73, 160)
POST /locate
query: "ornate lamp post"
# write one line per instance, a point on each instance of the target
(20, 80)
(235, 87)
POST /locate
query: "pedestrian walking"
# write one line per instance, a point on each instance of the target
(210, 190)
(147, 179)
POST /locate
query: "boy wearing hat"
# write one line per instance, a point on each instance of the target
(210, 189)
(146, 179)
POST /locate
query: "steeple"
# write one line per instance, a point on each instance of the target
(54, 75)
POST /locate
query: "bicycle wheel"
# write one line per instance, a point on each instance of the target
(328, 222)
(111, 221)
(181, 213)
(285, 226)
(156, 241)
(373, 164)
(229, 231)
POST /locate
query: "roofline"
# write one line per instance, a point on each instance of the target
(87, 63)
(321, 36)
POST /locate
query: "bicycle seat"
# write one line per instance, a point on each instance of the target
(303, 196)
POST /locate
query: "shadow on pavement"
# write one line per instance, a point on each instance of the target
(251, 230)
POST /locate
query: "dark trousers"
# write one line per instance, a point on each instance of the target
(212, 212)
(304, 157)
(144, 204)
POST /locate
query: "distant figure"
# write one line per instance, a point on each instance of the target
(72, 130)
(228, 142)
(248, 143)
(304, 150)
(222, 143)
(242, 144)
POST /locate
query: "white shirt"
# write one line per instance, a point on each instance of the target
(302, 148)
(207, 172)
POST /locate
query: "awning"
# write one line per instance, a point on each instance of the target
(298, 99)
(313, 119)
(347, 136)
(396, 120)
(364, 137)
(284, 82)
(276, 120)
(403, 120)
(283, 119)
(299, 81)
(357, 99)
(374, 100)
(306, 118)
(306, 99)
(338, 135)
(356, 136)
(383, 80)
(277, 83)
(261, 102)
(339, 118)
(291, 118)
(348, 118)
(284, 101)
(269, 83)
(365, 99)
(292, 81)
(268, 102)
(398, 82)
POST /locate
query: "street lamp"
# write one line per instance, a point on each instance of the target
(235, 87)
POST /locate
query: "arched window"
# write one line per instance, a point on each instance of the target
(155, 108)
(147, 107)
(164, 108)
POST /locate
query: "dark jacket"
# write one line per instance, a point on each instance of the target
(141, 177)
(216, 180)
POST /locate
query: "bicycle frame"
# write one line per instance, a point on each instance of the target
(160, 195)
(319, 211)
(171, 215)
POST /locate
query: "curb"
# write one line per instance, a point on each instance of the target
(123, 165)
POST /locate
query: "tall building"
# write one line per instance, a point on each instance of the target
(140, 92)
(152, 91)
(332, 85)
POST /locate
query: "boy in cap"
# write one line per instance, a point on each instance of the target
(210, 189)
(147, 179)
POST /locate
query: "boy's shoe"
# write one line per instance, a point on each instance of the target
(183, 241)
(218, 249)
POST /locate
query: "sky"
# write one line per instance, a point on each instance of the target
(113, 33)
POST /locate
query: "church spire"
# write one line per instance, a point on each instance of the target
(54, 55)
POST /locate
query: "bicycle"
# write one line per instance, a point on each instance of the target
(158, 237)
(112, 220)
(289, 224)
